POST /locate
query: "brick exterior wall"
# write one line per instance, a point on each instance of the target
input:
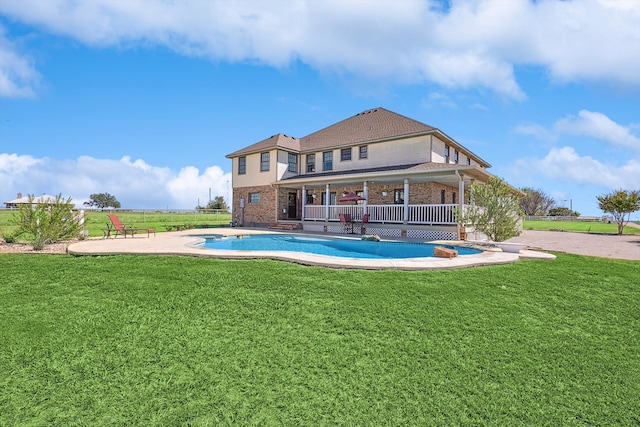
(419, 193)
(259, 214)
(264, 213)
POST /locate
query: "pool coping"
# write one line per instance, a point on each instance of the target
(185, 243)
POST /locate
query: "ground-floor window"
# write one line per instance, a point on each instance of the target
(398, 196)
(310, 197)
(332, 199)
(254, 197)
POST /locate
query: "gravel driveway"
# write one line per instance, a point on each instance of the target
(600, 245)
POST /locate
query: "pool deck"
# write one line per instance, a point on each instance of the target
(184, 243)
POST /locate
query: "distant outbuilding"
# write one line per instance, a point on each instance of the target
(20, 200)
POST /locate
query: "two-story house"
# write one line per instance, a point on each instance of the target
(409, 175)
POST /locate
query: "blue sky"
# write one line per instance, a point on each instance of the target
(143, 99)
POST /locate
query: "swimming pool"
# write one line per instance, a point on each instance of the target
(337, 247)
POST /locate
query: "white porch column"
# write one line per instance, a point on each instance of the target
(304, 200)
(406, 200)
(461, 200)
(327, 201)
(365, 193)
(461, 189)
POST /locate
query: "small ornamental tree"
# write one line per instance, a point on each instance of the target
(620, 204)
(494, 211)
(102, 200)
(46, 223)
(218, 203)
(563, 211)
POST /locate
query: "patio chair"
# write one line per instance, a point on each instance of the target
(347, 223)
(117, 227)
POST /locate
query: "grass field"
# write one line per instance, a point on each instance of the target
(578, 226)
(150, 340)
(95, 221)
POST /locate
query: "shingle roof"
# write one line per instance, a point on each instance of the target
(280, 140)
(370, 125)
(413, 167)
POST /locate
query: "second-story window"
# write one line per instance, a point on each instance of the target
(345, 154)
(469, 161)
(264, 162)
(327, 161)
(242, 165)
(446, 153)
(293, 163)
(456, 156)
(364, 151)
(311, 162)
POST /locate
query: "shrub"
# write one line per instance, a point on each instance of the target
(43, 224)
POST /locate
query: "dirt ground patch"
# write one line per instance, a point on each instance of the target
(24, 248)
(600, 245)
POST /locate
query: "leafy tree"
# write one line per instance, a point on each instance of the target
(218, 203)
(46, 223)
(563, 211)
(620, 204)
(102, 200)
(495, 210)
(536, 202)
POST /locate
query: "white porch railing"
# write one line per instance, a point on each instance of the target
(418, 214)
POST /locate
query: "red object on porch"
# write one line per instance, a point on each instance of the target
(347, 223)
(351, 197)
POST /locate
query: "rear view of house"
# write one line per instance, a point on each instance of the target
(410, 176)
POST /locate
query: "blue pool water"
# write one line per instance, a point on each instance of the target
(346, 248)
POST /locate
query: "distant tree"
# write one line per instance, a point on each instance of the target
(102, 200)
(45, 223)
(218, 203)
(494, 210)
(563, 211)
(620, 204)
(536, 202)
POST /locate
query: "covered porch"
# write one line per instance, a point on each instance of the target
(414, 203)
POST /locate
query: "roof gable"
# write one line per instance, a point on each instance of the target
(275, 141)
(370, 125)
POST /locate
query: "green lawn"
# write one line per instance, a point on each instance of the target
(96, 221)
(151, 340)
(578, 226)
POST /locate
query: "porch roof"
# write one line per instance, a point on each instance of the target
(417, 172)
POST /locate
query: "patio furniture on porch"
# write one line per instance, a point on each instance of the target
(347, 223)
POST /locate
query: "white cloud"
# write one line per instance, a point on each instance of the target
(599, 126)
(564, 164)
(17, 76)
(136, 184)
(474, 43)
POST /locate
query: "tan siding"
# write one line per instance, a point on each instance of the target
(438, 151)
(254, 177)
